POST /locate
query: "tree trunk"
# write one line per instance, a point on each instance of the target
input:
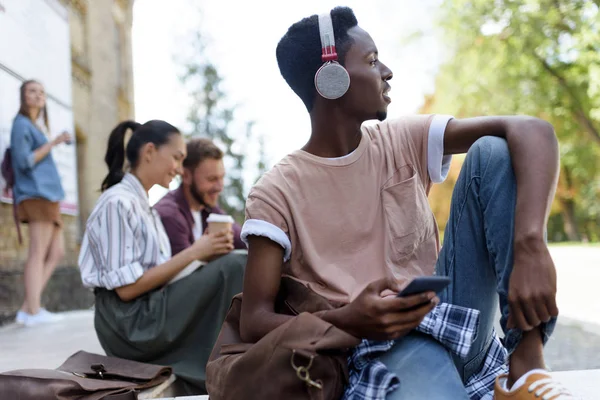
(577, 110)
(570, 223)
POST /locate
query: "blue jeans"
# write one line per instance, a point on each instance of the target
(477, 255)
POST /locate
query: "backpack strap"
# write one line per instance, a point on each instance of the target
(9, 176)
(17, 222)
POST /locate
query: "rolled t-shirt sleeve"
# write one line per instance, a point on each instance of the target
(438, 164)
(263, 219)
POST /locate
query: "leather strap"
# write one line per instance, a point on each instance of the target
(17, 222)
(129, 395)
(315, 393)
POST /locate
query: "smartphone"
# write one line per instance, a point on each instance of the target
(425, 284)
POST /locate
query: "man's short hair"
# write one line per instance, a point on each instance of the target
(299, 51)
(200, 149)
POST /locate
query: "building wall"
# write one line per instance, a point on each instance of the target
(102, 96)
(103, 80)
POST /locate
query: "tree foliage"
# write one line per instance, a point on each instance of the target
(540, 58)
(210, 115)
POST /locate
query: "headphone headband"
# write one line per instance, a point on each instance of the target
(331, 80)
(328, 52)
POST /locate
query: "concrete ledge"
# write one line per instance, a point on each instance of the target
(47, 346)
(162, 390)
(583, 384)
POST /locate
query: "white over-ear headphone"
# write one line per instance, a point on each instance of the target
(331, 80)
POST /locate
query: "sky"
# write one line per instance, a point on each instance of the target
(241, 37)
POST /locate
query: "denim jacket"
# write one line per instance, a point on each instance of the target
(32, 180)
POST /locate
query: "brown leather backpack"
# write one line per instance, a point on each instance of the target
(84, 376)
(305, 358)
(8, 174)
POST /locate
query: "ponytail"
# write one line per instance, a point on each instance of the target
(115, 154)
(155, 131)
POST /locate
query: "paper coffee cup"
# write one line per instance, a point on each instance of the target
(219, 222)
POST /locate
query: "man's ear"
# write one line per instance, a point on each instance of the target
(187, 177)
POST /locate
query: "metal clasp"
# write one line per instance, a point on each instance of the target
(302, 372)
(99, 369)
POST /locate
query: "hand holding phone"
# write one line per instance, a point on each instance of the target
(425, 284)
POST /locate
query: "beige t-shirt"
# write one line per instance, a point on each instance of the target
(348, 221)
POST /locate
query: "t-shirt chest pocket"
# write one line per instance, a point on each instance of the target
(407, 213)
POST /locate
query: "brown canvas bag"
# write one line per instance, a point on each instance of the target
(305, 358)
(83, 376)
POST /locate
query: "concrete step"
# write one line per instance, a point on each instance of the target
(583, 384)
(49, 345)
(185, 398)
(164, 390)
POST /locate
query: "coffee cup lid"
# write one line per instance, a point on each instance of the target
(220, 218)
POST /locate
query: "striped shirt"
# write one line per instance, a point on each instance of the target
(124, 237)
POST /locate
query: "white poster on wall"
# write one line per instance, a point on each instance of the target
(38, 48)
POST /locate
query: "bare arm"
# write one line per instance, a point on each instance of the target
(534, 153)
(41, 152)
(535, 159)
(157, 276)
(160, 275)
(24, 156)
(370, 315)
(261, 284)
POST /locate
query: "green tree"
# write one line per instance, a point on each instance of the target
(211, 116)
(535, 57)
(263, 160)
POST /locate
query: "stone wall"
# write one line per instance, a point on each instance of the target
(102, 77)
(64, 291)
(102, 86)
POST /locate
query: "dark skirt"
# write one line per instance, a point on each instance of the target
(176, 325)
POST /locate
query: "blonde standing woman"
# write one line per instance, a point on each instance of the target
(37, 192)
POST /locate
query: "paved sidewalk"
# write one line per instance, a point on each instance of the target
(574, 379)
(574, 346)
(578, 272)
(47, 346)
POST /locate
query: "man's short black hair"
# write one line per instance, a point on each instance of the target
(299, 51)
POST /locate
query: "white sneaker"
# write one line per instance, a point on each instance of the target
(21, 317)
(51, 315)
(41, 317)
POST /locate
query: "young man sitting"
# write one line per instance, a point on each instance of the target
(185, 210)
(348, 216)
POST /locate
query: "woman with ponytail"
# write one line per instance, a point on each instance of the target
(141, 312)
